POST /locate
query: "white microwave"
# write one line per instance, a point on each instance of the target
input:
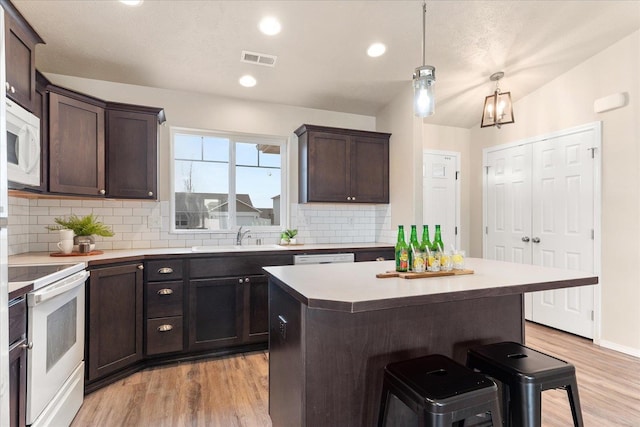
(23, 145)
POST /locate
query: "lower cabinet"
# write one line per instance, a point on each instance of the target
(256, 309)
(215, 313)
(17, 362)
(164, 320)
(114, 319)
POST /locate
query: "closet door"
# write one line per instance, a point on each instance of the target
(508, 203)
(563, 227)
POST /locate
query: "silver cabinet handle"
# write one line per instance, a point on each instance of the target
(165, 270)
(141, 267)
(150, 193)
(525, 239)
(27, 346)
(164, 328)
(165, 291)
(7, 85)
(13, 89)
(380, 258)
(247, 280)
(353, 197)
(102, 191)
(536, 240)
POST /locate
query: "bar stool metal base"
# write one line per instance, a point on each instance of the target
(438, 390)
(525, 374)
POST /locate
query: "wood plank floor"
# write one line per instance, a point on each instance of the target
(233, 391)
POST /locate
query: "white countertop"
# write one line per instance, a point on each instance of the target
(354, 287)
(45, 258)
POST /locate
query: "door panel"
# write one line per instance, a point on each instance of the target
(509, 204)
(440, 199)
(563, 188)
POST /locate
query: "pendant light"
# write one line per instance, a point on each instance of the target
(498, 109)
(424, 79)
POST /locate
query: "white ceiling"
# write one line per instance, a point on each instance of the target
(322, 62)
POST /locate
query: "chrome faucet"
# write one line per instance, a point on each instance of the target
(241, 235)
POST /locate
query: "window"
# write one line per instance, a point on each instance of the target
(223, 180)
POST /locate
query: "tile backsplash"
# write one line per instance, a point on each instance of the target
(146, 224)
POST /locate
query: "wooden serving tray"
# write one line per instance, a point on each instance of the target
(411, 275)
(60, 254)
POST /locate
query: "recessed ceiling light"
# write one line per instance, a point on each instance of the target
(376, 49)
(270, 26)
(247, 81)
(132, 2)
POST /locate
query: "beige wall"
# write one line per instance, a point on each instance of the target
(568, 101)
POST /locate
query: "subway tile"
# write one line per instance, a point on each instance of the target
(48, 202)
(92, 203)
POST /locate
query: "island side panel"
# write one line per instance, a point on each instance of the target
(345, 353)
(286, 358)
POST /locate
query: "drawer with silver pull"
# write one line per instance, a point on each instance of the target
(163, 270)
(164, 335)
(164, 299)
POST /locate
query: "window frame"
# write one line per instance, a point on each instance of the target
(233, 137)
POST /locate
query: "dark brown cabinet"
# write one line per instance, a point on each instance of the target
(20, 44)
(132, 134)
(76, 145)
(164, 301)
(256, 309)
(17, 362)
(114, 319)
(342, 165)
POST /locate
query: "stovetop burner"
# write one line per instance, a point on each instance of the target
(41, 275)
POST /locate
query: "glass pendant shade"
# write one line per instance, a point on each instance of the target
(424, 100)
(497, 110)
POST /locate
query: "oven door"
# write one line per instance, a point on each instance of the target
(56, 329)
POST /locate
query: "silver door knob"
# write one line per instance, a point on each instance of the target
(348, 197)
(525, 239)
(7, 85)
(150, 193)
(13, 89)
(27, 346)
(102, 191)
(536, 240)
(140, 267)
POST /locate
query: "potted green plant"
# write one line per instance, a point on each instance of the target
(290, 236)
(84, 228)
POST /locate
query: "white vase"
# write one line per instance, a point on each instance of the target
(293, 241)
(284, 242)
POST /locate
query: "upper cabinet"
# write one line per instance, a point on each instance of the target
(132, 141)
(76, 145)
(342, 165)
(20, 43)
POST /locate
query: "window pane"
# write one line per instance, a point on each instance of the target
(246, 154)
(215, 149)
(187, 147)
(258, 194)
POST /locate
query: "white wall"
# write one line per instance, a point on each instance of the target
(568, 101)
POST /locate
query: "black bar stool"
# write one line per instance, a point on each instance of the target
(526, 373)
(438, 391)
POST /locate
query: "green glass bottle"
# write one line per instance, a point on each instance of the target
(426, 240)
(437, 244)
(414, 246)
(402, 252)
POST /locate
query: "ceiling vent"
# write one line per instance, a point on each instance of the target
(258, 58)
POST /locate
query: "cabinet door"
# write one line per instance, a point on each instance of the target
(20, 59)
(114, 319)
(256, 309)
(132, 154)
(17, 385)
(76, 146)
(328, 167)
(215, 311)
(369, 170)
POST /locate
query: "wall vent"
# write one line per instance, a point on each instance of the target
(258, 58)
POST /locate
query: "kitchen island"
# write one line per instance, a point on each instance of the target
(334, 327)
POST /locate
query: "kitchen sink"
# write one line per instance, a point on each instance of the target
(226, 248)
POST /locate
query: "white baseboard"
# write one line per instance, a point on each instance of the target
(621, 348)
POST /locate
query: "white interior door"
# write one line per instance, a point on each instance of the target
(540, 206)
(441, 203)
(563, 227)
(508, 203)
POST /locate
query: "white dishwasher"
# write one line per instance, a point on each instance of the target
(323, 258)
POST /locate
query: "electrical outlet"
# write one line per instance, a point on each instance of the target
(154, 221)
